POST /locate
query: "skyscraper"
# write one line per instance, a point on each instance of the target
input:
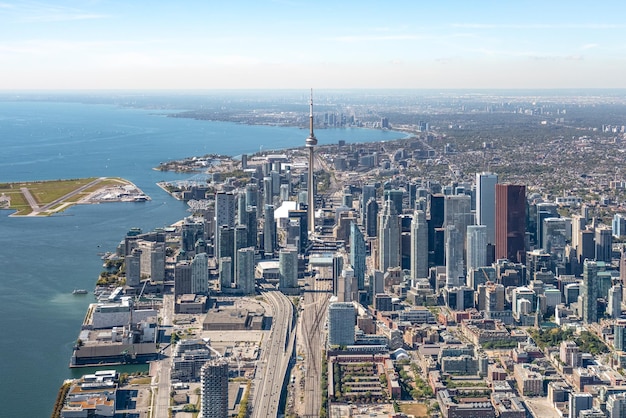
(454, 257)
(341, 322)
(241, 208)
(614, 308)
(192, 230)
(389, 237)
(369, 191)
(244, 277)
(347, 287)
(152, 260)
(252, 195)
(269, 231)
(182, 278)
(476, 246)
(544, 210)
(251, 226)
(214, 389)
(618, 225)
(578, 225)
(419, 245)
(395, 196)
(589, 292)
(616, 405)
(457, 212)
(358, 254)
(486, 203)
(226, 273)
(371, 219)
(303, 237)
(511, 222)
(579, 402)
(224, 213)
(555, 236)
(604, 244)
(288, 268)
(619, 331)
(133, 267)
(200, 274)
(226, 248)
(240, 240)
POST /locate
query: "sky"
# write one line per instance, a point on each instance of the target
(293, 44)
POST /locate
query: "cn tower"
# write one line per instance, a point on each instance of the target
(311, 142)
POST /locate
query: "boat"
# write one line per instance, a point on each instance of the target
(79, 292)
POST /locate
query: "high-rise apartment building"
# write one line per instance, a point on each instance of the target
(358, 254)
(614, 308)
(182, 278)
(589, 292)
(619, 332)
(152, 259)
(226, 239)
(269, 231)
(244, 277)
(616, 405)
(341, 322)
(214, 389)
(192, 230)
(579, 402)
(200, 274)
(288, 268)
(133, 267)
(224, 214)
(226, 273)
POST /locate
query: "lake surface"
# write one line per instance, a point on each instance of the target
(43, 259)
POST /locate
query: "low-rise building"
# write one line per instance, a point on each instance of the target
(466, 407)
(191, 304)
(529, 380)
(508, 405)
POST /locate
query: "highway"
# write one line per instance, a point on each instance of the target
(276, 353)
(161, 382)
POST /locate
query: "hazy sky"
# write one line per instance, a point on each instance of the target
(150, 44)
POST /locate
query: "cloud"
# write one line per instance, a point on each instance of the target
(550, 26)
(556, 57)
(589, 46)
(374, 38)
(34, 12)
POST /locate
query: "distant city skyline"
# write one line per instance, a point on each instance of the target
(291, 44)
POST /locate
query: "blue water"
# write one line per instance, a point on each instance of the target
(43, 259)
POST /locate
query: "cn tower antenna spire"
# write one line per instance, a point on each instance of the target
(311, 140)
